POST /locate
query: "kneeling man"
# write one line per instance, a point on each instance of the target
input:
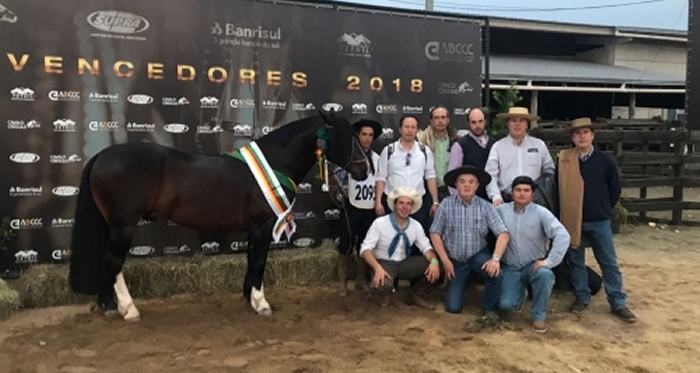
(526, 262)
(387, 249)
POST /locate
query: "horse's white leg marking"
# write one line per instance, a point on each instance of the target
(125, 304)
(257, 300)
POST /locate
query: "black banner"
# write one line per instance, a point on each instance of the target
(79, 76)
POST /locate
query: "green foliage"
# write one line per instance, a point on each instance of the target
(504, 101)
(6, 233)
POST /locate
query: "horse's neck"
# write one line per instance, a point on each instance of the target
(295, 157)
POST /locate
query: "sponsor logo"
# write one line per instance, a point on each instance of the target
(7, 15)
(304, 242)
(299, 106)
(354, 45)
(330, 240)
(242, 130)
(60, 255)
(64, 125)
(303, 215)
(140, 127)
(26, 256)
(446, 51)
(239, 245)
(32, 223)
(175, 250)
(64, 159)
(229, 34)
(118, 25)
(268, 129)
(174, 101)
(143, 222)
(332, 214)
(209, 102)
(304, 188)
(65, 191)
(274, 105)
(176, 128)
(242, 103)
(138, 99)
(22, 125)
(103, 97)
(142, 250)
(56, 95)
(332, 106)
(412, 109)
(103, 125)
(24, 158)
(387, 133)
(387, 109)
(359, 108)
(171, 223)
(207, 129)
(62, 223)
(22, 94)
(451, 88)
(211, 247)
(461, 111)
(279, 245)
(25, 191)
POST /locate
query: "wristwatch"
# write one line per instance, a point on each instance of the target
(496, 257)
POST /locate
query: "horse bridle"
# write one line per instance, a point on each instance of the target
(356, 146)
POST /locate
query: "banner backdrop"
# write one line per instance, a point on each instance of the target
(78, 76)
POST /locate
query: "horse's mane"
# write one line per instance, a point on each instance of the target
(286, 134)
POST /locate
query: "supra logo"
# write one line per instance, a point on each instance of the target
(176, 128)
(65, 191)
(32, 223)
(138, 99)
(19, 191)
(211, 247)
(22, 125)
(103, 125)
(22, 94)
(57, 95)
(24, 158)
(60, 255)
(26, 256)
(6, 15)
(445, 51)
(354, 45)
(304, 242)
(118, 22)
(142, 250)
(332, 106)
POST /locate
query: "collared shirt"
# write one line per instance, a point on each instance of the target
(507, 160)
(529, 231)
(381, 233)
(442, 156)
(482, 140)
(584, 157)
(463, 226)
(404, 170)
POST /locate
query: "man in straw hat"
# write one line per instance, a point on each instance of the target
(459, 235)
(517, 154)
(359, 208)
(387, 249)
(589, 188)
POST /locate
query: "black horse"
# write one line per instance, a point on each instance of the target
(126, 182)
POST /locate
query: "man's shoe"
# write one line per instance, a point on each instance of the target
(413, 298)
(625, 315)
(384, 299)
(539, 326)
(492, 316)
(578, 307)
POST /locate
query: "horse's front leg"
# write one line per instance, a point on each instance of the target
(258, 245)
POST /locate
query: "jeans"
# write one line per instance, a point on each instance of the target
(454, 293)
(515, 280)
(600, 237)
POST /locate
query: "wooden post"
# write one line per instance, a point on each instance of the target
(643, 190)
(679, 173)
(534, 101)
(632, 109)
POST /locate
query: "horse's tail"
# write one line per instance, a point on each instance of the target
(89, 243)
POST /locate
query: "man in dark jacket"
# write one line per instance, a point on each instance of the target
(472, 149)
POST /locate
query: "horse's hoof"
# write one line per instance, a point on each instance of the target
(265, 312)
(132, 318)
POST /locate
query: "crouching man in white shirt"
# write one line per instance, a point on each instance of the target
(387, 249)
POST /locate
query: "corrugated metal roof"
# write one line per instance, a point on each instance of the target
(573, 71)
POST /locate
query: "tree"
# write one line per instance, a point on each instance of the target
(504, 101)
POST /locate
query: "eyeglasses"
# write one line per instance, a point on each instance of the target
(408, 159)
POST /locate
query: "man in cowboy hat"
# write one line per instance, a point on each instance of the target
(527, 263)
(589, 188)
(438, 136)
(359, 208)
(459, 235)
(387, 249)
(517, 154)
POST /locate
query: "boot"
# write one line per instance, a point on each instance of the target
(362, 280)
(420, 288)
(343, 261)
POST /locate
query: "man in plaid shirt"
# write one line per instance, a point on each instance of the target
(458, 234)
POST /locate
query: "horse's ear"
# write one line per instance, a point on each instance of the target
(327, 116)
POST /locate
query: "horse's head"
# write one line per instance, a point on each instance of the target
(343, 148)
(6, 15)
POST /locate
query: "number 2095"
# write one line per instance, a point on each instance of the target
(377, 84)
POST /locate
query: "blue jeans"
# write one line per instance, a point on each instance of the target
(600, 237)
(454, 293)
(514, 282)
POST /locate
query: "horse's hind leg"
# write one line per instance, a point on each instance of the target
(119, 242)
(259, 244)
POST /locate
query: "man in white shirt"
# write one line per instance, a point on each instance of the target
(517, 154)
(387, 249)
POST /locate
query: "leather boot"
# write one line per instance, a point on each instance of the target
(421, 288)
(343, 261)
(362, 279)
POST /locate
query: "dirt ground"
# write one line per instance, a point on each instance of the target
(314, 331)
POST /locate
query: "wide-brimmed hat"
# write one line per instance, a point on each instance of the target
(365, 122)
(452, 176)
(579, 123)
(518, 112)
(405, 192)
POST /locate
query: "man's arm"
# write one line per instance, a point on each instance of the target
(492, 167)
(456, 157)
(557, 233)
(614, 185)
(382, 169)
(547, 161)
(430, 176)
